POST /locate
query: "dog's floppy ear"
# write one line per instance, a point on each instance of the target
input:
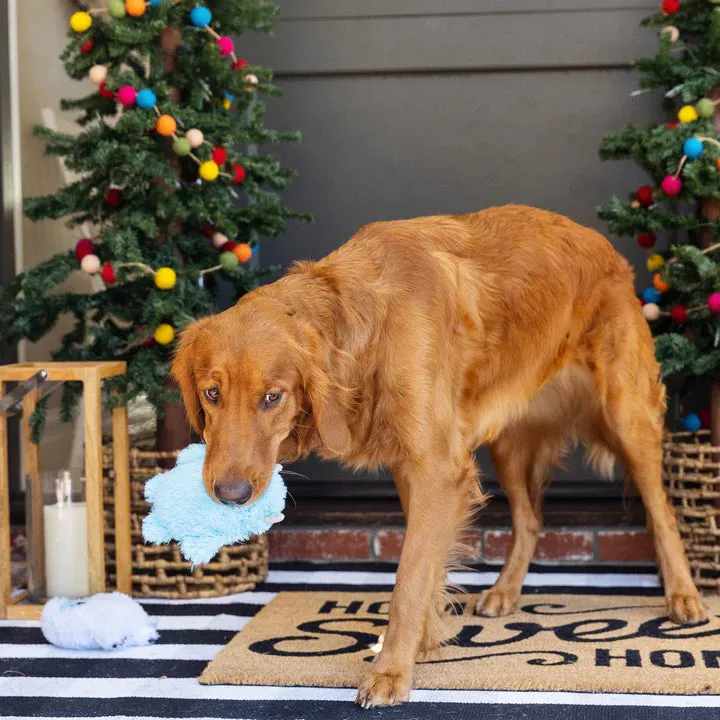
(183, 373)
(328, 411)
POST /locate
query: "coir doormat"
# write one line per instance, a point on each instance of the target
(555, 642)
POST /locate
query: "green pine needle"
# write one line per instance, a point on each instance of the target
(163, 212)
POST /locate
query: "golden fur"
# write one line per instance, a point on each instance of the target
(413, 344)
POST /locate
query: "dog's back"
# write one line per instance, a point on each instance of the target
(513, 241)
(516, 296)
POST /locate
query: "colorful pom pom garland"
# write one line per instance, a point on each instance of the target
(166, 126)
(200, 17)
(693, 148)
(145, 98)
(183, 144)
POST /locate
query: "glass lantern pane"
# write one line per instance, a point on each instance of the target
(57, 536)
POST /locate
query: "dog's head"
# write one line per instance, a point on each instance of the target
(256, 389)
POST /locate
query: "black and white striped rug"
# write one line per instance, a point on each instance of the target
(40, 681)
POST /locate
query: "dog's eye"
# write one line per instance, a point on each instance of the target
(271, 398)
(212, 395)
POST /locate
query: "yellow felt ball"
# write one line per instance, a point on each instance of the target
(655, 262)
(80, 21)
(165, 278)
(164, 334)
(227, 104)
(687, 114)
(209, 170)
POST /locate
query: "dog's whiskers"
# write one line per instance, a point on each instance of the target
(292, 472)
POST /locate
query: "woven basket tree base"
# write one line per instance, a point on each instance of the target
(159, 570)
(691, 473)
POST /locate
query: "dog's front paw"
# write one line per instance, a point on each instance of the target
(686, 607)
(384, 689)
(497, 603)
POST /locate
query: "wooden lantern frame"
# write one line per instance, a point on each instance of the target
(91, 375)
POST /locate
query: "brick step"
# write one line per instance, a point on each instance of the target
(590, 545)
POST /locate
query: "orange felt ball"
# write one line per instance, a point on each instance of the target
(243, 252)
(660, 284)
(136, 8)
(718, 163)
(166, 125)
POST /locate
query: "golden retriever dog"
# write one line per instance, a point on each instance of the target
(410, 346)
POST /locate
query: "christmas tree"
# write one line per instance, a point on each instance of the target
(675, 216)
(170, 178)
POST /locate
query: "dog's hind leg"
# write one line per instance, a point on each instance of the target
(522, 459)
(628, 420)
(634, 427)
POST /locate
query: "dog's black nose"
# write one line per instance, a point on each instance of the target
(234, 492)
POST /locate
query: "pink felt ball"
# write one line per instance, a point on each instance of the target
(225, 45)
(651, 311)
(90, 264)
(195, 137)
(671, 185)
(714, 302)
(126, 95)
(218, 239)
(98, 74)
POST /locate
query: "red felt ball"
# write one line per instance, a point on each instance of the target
(113, 197)
(670, 6)
(219, 155)
(108, 274)
(644, 195)
(705, 418)
(88, 46)
(147, 341)
(240, 63)
(671, 125)
(238, 174)
(82, 248)
(679, 314)
(105, 92)
(208, 230)
(646, 240)
(229, 246)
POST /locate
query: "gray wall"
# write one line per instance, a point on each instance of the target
(414, 107)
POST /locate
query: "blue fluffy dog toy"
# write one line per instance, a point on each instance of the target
(182, 510)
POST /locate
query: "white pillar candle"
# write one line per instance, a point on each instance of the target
(66, 553)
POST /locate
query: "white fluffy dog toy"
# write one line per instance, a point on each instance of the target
(106, 621)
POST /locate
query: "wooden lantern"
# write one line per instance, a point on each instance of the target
(91, 374)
